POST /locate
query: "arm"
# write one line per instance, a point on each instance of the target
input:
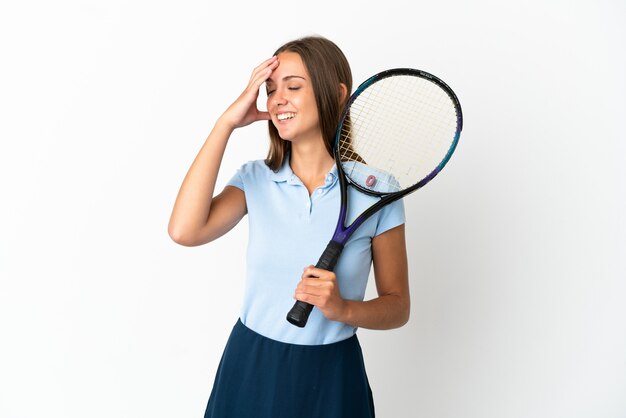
(198, 217)
(392, 306)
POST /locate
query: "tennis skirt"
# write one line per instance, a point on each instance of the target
(263, 378)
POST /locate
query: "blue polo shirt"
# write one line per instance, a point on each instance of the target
(288, 230)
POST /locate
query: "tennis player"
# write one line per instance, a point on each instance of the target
(269, 367)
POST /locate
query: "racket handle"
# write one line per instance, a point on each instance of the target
(299, 314)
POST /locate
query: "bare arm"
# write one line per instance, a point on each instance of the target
(391, 309)
(392, 306)
(198, 217)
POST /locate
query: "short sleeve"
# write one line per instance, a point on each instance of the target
(390, 216)
(237, 179)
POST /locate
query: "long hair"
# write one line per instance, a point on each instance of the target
(328, 68)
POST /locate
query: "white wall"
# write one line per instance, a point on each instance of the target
(517, 280)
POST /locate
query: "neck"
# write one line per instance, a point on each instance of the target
(310, 163)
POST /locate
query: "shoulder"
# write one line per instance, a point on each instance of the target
(251, 173)
(390, 217)
(254, 167)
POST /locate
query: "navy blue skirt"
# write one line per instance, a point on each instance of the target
(263, 378)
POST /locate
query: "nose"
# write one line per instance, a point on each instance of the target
(277, 99)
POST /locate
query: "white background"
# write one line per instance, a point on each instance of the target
(516, 249)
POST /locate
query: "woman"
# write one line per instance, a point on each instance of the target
(271, 368)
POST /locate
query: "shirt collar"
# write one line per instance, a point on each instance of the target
(285, 174)
(332, 175)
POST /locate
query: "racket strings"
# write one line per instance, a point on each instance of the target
(401, 129)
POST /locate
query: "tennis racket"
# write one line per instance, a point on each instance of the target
(397, 132)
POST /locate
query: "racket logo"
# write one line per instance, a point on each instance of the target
(371, 180)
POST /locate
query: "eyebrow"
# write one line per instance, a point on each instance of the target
(286, 78)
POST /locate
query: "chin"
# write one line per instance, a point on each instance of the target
(285, 137)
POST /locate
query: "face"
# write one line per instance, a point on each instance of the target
(291, 100)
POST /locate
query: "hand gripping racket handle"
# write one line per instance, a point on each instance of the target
(299, 314)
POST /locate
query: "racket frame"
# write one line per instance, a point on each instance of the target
(343, 232)
(299, 313)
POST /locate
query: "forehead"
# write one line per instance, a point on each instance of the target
(289, 64)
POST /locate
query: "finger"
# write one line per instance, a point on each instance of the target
(310, 285)
(303, 297)
(312, 271)
(263, 72)
(252, 90)
(264, 64)
(318, 281)
(316, 300)
(264, 76)
(307, 290)
(310, 294)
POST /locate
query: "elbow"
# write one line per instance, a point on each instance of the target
(404, 319)
(404, 313)
(189, 236)
(401, 320)
(179, 235)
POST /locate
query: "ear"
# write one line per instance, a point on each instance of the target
(343, 92)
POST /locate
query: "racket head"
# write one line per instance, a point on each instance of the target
(399, 129)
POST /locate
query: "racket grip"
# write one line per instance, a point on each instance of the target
(299, 314)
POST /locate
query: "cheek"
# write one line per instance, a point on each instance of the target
(315, 117)
(311, 108)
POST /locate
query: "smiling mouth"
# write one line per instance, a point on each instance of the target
(285, 116)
